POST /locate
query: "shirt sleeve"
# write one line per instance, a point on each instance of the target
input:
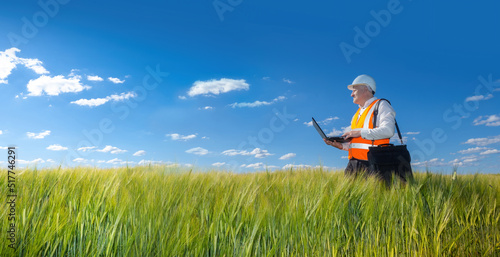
(385, 123)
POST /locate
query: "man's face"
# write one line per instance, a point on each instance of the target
(359, 94)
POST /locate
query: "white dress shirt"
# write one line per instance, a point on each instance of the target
(385, 122)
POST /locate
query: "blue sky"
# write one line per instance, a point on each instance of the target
(233, 84)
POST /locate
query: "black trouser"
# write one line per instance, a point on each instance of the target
(356, 167)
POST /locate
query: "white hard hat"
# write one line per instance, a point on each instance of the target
(364, 80)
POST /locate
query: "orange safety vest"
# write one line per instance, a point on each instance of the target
(358, 148)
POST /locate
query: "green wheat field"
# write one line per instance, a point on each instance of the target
(171, 211)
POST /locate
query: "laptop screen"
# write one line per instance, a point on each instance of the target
(320, 131)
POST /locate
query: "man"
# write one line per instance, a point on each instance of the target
(361, 130)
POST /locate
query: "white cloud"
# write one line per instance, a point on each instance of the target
(470, 159)
(466, 160)
(478, 97)
(94, 78)
(431, 163)
(117, 161)
(100, 101)
(216, 87)
(33, 64)
(218, 164)
(73, 73)
(35, 161)
(86, 148)
(288, 156)
(456, 162)
(175, 136)
(490, 151)
(150, 162)
(265, 78)
(257, 153)
(335, 133)
(139, 153)
(21, 94)
(293, 166)
(323, 122)
(112, 150)
(55, 85)
(182, 97)
(258, 165)
(56, 147)
(413, 133)
(40, 135)
(79, 160)
(116, 80)
(488, 120)
(257, 103)
(162, 163)
(91, 102)
(233, 152)
(9, 61)
(288, 81)
(206, 108)
(122, 96)
(473, 150)
(305, 166)
(197, 151)
(1, 132)
(483, 141)
(328, 120)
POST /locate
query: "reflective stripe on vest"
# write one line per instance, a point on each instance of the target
(358, 148)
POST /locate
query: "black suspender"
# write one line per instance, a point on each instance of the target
(375, 113)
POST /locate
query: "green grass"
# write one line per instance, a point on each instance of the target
(161, 211)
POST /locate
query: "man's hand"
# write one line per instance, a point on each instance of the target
(352, 134)
(334, 143)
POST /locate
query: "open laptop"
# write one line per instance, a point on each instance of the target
(322, 134)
